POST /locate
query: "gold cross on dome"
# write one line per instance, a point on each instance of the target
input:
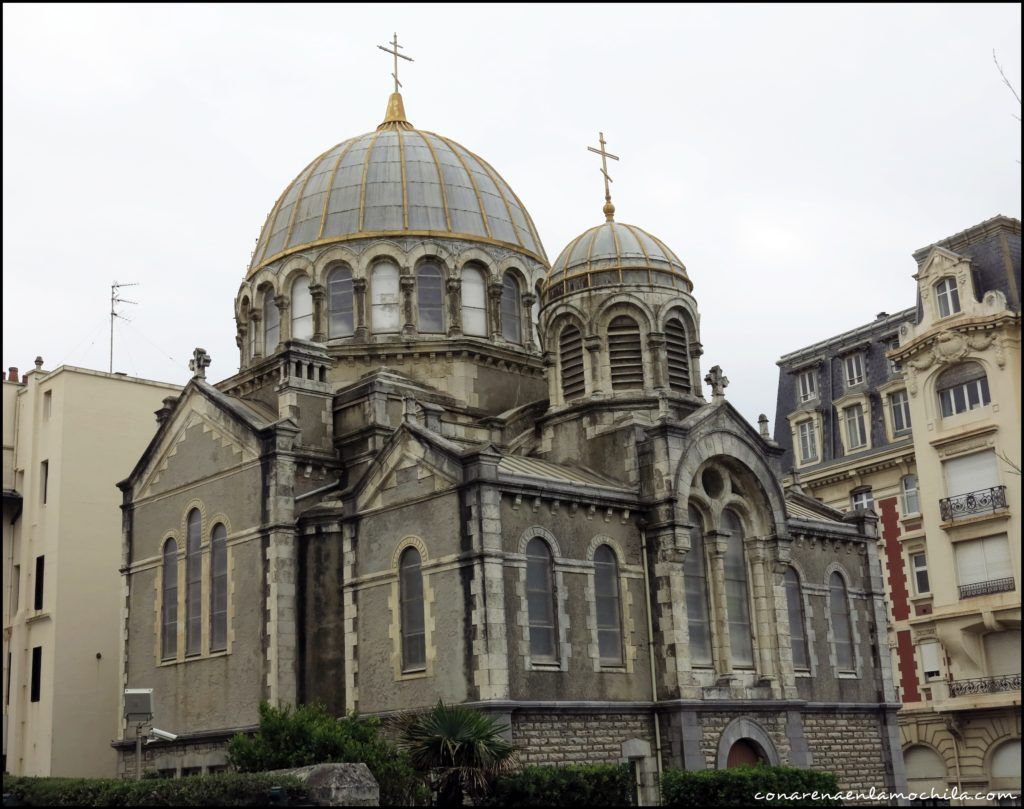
(393, 50)
(609, 209)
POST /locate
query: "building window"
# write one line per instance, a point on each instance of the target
(474, 303)
(982, 562)
(797, 620)
(609, 615)
(339, 293)
(37, 602)
(911, 505)
(919, 564)
(193, 585)
(535, 315)
(853, 420)
(570, 355)
(970, 473)
(930, 655)
(169, 609)
(302, 310)
(854, 368)
(737, 598)
(37, 672)
(540, 601)
(271, 323)
(47, 404)
(808, 441)
(625, 356)
(842, 629)
(44, 480)
(862, 500)
(695, 581)
(807, 385)
(430, 298)
(677, 350)
(895, 367)
(948, 297)
(219, 588)
(899, 406)
(384, 297)
(414, 638)
(961, 388)
(511, 309)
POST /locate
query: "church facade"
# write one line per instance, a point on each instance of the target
(448, 469)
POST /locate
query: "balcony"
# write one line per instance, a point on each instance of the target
(984, 685)
(982, 501)
(984, 588)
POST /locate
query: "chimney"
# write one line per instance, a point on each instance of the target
(881, 316)
(39, 363)
(12, 374)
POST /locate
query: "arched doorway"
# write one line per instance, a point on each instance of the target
(745, 753)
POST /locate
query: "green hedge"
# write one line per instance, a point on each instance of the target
(226, 789)
(573, 785)
(737, 786)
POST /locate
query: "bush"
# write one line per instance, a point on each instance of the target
(572, 785)
(227, 789)
(310, 735)
(737, 786)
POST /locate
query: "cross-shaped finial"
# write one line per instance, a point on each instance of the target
(609, 209)
(199, 363)
(393, 50)
(718, 382)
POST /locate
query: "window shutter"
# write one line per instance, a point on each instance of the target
(570, 351)
(970, 562)
(625, 354)
(676, 346)
(929, 659)
(970, 473)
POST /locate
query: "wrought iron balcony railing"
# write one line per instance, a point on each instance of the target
(984, 588)
(979, 502)
(985, 685)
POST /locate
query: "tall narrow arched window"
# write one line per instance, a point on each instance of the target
(169, 608)
(384, 291)
(947, 296)
(414, 643)
(474, 303)
(609, 614)
(842, 629)
(511, 309)
(737, 597)
(430, 298)
(625, 355)
(797, 620)
(302, 309)
(339, 295)
(540, 601)
(218, 588)
(677, 350)
(570, 358)
(695, 582)
(535, 317)
(271, 323)
(193, 585)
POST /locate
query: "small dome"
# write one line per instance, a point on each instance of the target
(396, 180)
(613, 253)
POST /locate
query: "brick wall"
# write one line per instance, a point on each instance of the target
(849, 745)
(560, 738)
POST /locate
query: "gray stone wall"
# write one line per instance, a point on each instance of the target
(552, 737)
(849, 745)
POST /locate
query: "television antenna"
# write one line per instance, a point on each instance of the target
(115, 299)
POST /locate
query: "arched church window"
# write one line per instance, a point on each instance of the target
(624, 354)
(511, 305)
(737, 597)
(540, 601)
(193, 585)
(609, 612)
(677, 349)
(474, 303)
(414, 646)
(842, 629)
(797, 620)
(169, 608)
(302, 309)
(384, 282)
(430, 297)
(695, 581)
(271, 323)
(218, 588)
(570, 357)
(339, 293)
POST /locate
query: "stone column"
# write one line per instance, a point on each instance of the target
(669, 545)
(529, 299)
(550, 364)
(488, 619)
(658, 360)
(319, 295)
(494, 289)
(407, 286)
(766, 628)
(716, 542)
(241, 333)
(285, 326)
(255, 319)
(593, 344)
(454, 289)
(359, 305)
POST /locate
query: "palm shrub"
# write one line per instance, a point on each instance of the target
(461, 750)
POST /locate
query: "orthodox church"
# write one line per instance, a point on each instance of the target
(449, 469)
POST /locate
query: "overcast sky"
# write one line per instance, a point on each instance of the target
(792, 156)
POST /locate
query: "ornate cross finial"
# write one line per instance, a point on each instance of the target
(609, 209)
(199, 363)
(393, 50)
(718, 382)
